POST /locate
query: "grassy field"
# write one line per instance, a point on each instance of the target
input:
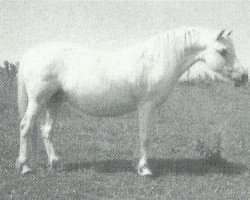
(98, 153)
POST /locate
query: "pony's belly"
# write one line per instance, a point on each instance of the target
(107, 104)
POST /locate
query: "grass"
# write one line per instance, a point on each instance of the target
(98, 153)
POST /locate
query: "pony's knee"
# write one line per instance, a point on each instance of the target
(26, 127)
(23, 124)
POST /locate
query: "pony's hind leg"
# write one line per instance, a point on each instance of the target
(26, 134)
(46, 127)
(144, 115)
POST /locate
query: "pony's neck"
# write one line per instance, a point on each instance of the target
(190, 44)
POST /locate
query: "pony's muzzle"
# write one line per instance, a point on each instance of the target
(241, 80)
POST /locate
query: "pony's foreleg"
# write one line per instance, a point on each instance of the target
(46, 127)
(26, 131)
(144, 115)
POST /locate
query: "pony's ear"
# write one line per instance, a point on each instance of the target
(220, 35)
(228, 33)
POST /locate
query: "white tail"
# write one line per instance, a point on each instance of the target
(22, 95)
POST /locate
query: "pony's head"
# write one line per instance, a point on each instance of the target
(220, 57)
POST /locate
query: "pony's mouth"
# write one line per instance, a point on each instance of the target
(241, 80)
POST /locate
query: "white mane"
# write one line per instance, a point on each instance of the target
(179, 36)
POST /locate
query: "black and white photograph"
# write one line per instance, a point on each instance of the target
(124, 100)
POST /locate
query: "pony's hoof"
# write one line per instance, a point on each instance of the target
(144, 171)
(22, 167)
(55, 165)
(26, 170)
(19, 164)
(214, 158)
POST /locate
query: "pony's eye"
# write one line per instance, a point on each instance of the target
(222, 52)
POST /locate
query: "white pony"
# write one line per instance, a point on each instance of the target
(112, 84)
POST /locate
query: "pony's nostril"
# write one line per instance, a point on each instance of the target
(244, 78)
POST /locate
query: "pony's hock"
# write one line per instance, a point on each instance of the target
(112, 84)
